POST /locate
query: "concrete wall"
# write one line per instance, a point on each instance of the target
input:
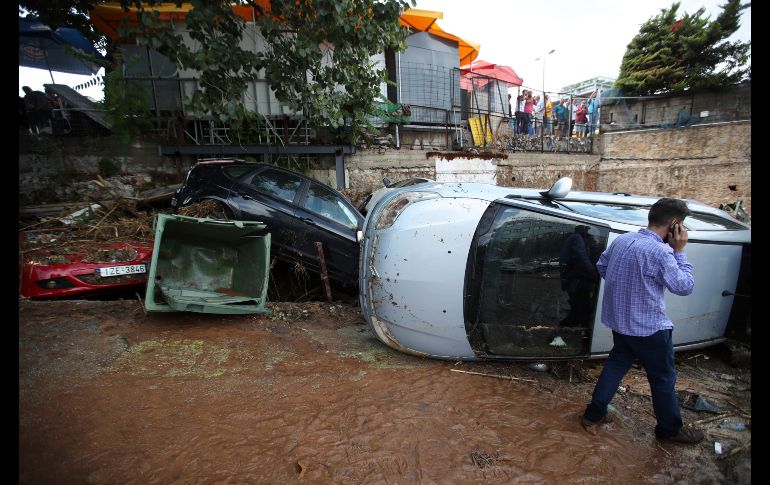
(709, 163)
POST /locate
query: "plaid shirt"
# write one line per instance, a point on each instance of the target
(637, 268)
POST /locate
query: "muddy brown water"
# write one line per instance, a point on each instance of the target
(108, 394)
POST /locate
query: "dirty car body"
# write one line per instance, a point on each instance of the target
(298, 211)
(375, 196)
(473, 271)
(84, 271)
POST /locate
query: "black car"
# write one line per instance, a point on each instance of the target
(298, 210)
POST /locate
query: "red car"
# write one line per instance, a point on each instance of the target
(81, 268)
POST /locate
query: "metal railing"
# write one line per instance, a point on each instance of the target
(675, 111)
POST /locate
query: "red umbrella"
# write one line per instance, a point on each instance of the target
(479, 70)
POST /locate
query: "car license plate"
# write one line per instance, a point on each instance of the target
(122, 270)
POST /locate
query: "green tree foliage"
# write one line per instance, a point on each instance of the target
(673, 53)
(125, 104)
(223, 67)
(317, 58)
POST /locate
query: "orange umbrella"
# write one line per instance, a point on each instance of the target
(108, 16)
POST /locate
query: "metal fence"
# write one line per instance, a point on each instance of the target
(475, 110)
(675, 111)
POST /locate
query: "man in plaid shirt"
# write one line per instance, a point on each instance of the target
(637, 268)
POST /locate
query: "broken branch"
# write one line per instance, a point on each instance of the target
(708, 420)
(740, 448)
(493, 375)
(115, 206)
(743, 411)
(664, 450)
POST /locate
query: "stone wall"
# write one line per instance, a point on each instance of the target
(56, 169)
(710, 163)
(366, 169)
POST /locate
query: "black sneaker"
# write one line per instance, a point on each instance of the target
(593, 426)
(685, 436)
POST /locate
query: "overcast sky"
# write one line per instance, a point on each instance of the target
(589, 36)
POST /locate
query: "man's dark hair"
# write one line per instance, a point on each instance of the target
(666, 209)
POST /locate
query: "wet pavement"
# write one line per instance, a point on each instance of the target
(109, 394)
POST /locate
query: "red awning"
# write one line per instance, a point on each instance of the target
(480, 73)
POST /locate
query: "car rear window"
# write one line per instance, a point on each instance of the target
(637, 216)
(237, 171)
(280, 184)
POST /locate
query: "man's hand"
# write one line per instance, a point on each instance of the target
(677, 237)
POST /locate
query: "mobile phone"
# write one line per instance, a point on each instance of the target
(673, 226)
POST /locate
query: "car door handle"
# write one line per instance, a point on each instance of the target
(308, 220)
(247, 197)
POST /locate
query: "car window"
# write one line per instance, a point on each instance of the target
(280, 184)
(529, 270)
(637, 216)
(237, 171)
(326, 203)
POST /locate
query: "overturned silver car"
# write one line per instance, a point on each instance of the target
(473, 271)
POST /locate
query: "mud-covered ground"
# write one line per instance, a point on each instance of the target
(109, 394)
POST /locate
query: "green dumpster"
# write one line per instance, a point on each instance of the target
(208, 266)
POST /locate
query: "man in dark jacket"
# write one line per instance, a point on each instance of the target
(578, 277)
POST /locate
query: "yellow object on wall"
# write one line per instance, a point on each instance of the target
(480, 127)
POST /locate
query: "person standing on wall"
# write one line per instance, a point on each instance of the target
(637, 269)
(562, 115)
(520, 112)
(529, 111)
(581, 120)
(593, 110)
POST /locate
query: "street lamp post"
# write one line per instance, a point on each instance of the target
(542, 128)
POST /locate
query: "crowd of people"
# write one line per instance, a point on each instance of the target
(567, 117)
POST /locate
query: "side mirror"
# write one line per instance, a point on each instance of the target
(386, 181)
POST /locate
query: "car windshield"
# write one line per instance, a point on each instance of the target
(637, 216)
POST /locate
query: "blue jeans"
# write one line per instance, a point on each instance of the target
(656, 354)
